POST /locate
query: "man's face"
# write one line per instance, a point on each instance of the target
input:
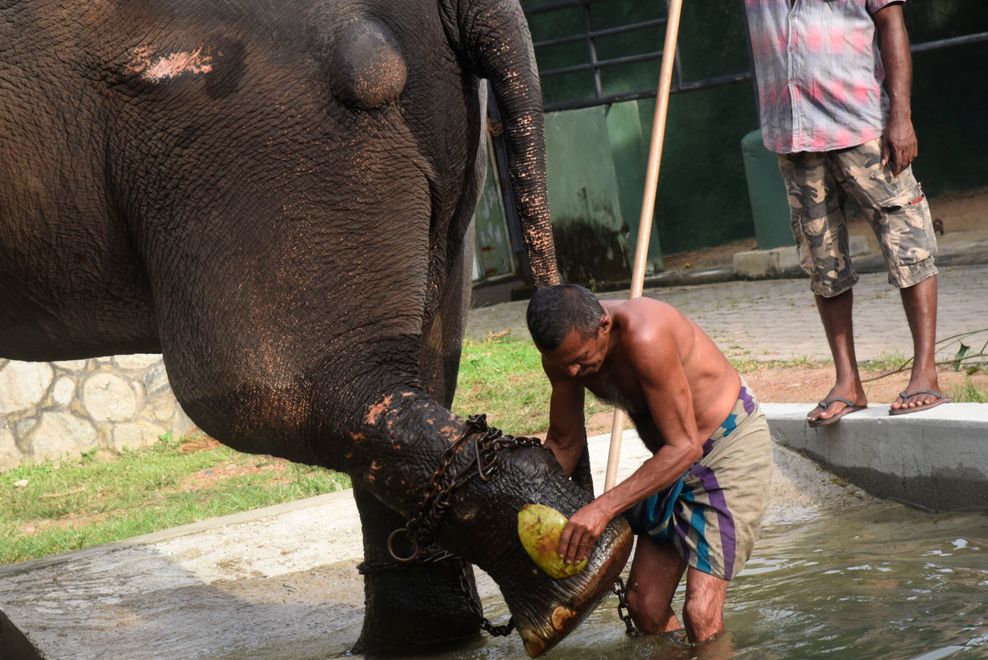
(579, 356)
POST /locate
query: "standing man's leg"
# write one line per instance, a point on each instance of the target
(703, 612)
(920, 303)
(900, 217)
(835, 312)
(655, 574)
(819, 229)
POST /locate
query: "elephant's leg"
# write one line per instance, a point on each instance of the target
(419, 603)
(420, 606)
(442, 336)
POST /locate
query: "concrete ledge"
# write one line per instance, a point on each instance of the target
(936, 459)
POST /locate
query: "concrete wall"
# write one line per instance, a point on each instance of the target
(936, 459)
(50, 410)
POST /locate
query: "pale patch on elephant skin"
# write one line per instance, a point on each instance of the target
(376, 410)
(372, 474)
(369, 69)
(155, 67)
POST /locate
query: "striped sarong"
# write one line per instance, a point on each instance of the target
(713, 512)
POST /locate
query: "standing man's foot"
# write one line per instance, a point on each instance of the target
(920, 394)
(839, 402)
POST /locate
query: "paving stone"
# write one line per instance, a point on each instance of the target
(70, 365)
(156, 380)
(135, 435)
(137, 362)
(63, 391)
(10, 455)
(777, 319)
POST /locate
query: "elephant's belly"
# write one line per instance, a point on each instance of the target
(73, 315)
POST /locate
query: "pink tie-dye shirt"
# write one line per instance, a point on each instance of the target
(819, 72)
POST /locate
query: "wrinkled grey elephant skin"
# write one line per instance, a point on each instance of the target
(276, 196)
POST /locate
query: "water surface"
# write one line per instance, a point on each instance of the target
(875, 581)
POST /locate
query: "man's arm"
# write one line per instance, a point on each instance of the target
(567, 436)
(670, 402)
(899, 144)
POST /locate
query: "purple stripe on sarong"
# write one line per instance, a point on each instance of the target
(747, 400)
(724, 518)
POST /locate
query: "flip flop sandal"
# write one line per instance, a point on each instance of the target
(905, 396)
(849, 407)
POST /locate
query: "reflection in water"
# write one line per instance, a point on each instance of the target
(877, 581)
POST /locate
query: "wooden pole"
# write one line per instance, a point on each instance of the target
(648, 206)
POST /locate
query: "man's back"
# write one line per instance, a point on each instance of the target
(652, 339)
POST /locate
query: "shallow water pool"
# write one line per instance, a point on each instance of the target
(875, 581)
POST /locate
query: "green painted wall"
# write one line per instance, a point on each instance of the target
(702, 198)
(588, 223)
(492, 244)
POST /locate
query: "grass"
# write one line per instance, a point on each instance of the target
(968, 393)
(503, 377)
(747, 365)
(52, 508)
(885, 363)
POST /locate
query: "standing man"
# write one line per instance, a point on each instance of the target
(820, 68)
(698, 502)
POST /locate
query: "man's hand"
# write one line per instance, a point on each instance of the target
(582, 532)
(899, 145)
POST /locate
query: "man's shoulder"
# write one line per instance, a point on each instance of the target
(643, 315)
(647, 323)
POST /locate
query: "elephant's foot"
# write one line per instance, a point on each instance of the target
(421, 608)
(545, 610)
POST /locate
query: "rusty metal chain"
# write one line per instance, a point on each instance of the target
(621, 592)
(487, 442)
(377, 567)
(502, 630)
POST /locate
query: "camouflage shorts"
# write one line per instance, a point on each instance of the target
(818, 184)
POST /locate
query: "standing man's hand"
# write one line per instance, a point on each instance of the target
(582, 532)
(899, 144)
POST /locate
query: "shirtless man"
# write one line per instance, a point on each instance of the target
(697, 503)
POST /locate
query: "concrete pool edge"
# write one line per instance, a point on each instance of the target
(935, 460)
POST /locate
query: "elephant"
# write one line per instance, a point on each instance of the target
(277, 197)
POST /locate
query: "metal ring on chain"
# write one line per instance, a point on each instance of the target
(437, 497)
(411, 540)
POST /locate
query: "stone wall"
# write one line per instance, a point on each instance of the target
(50, 410)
